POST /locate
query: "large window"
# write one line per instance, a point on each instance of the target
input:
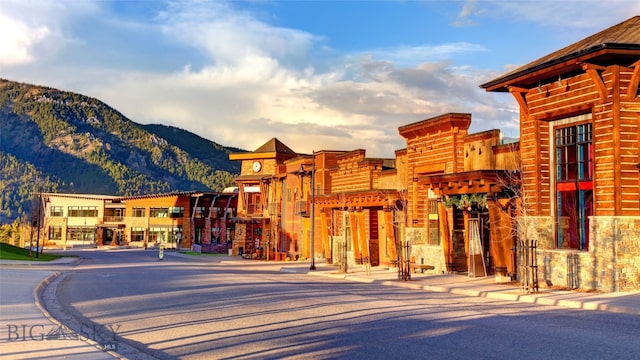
(83, 211)
(55, 232)
(139, 212)
(176, 211)
(57, 211)
(137, 234)
(159, 212)
(574, 185)
(81, 234)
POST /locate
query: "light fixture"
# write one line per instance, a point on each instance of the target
(559, 81)
(539, 87)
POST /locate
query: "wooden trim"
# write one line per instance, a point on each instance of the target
(592, 71)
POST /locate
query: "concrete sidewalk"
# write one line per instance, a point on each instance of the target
(619, 302)
(27, 329)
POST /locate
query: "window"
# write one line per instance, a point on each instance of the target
(157, 234)
(137, 234)
(55, 232)
(57, 211)
(139, 212)
(159, 212)
(83, 211)
(176, 211)
(84, 234)
(433, 234)
(574, 185)
(215, 234)
(200, 212)
(198, 235)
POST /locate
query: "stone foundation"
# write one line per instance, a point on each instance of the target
(612, 262)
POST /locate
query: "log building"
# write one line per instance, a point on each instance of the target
(579, 136)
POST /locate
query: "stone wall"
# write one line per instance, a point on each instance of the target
(425, 254)
(615, 241)
(612, 262)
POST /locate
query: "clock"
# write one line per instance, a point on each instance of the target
(257, 166)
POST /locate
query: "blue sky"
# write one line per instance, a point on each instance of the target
(335, 75)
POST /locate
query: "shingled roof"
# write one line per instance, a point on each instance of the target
(619, 44)
(275, 145)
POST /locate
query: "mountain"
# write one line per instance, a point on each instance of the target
(58, 141)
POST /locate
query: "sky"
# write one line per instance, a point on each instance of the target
(317, 75)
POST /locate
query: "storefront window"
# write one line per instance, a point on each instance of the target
(55, 232)
(574, 185)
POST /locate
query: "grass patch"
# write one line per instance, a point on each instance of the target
(10, 252)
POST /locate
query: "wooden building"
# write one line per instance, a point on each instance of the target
(579, 136)
(357, 209)
(457, 190)
(260, 213)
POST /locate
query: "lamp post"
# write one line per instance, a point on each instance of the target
(313, 207)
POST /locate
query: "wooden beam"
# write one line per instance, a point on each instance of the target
(521, 100)
(592, 71)
(632, 89)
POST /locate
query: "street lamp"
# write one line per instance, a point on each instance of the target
(313, 207)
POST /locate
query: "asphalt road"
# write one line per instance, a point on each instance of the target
(201, 308)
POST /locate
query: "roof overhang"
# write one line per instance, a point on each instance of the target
(470, 182)
(530, 76)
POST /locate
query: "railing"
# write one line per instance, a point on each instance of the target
(254, 209)
(275, 208)
(113, 218)
(302, 207)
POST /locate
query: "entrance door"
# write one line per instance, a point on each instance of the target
(458, 242)
(374, 247)
(482, 218)
(108, 237)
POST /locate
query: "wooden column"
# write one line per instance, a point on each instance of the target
(353, 226)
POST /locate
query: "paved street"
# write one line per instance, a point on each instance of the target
(205, 308)
(25, 333)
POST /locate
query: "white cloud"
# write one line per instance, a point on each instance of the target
(17, 41)
(32, 31)
(572, 14)
(231, 77)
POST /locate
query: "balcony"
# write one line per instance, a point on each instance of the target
(113, 219)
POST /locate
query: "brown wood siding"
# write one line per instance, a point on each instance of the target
(604, 185)
(575, 95)
(545, 169)
(615, 138)
(529, 156)
(629, 159)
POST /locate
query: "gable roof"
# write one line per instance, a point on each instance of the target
(275, 145)
(619, 44)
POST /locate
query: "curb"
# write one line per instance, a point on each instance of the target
(499, 295)
(37, 292)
